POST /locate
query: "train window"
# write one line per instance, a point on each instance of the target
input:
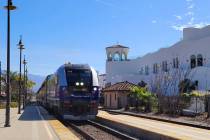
(79, 76)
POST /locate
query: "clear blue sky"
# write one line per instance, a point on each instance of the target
(57, 31)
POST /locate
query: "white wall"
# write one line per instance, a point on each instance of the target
(192, 44)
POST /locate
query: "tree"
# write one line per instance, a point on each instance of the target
(14, 81)
(142, 98)
(167, 85)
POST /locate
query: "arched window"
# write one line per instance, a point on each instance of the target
(155, 68)
(200, 60)
(164, 66)
(176, 62)
(109, 57)
(123, 57)
(116, 56)
(146, 70)
(193, 61)
(141, 71)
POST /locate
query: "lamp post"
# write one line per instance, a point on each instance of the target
(21, 47)
(24, 83)
(0, 77)
(7, 119)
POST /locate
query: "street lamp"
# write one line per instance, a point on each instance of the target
(7, 119)
(0, 77)
(24, 83)
(21, 47)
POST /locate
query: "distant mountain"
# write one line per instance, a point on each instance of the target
(38, 79)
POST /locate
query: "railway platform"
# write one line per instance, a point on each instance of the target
(33, 124)
(153, 129)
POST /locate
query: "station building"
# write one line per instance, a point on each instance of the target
(191, 55)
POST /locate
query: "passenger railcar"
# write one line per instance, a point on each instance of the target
(72, 92)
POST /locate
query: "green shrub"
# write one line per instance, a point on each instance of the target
(12, 105)
(195, 94)
(143, 98)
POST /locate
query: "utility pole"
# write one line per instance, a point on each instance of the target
(0, 77)
(21, 47)
(8, 96)
(24, 83)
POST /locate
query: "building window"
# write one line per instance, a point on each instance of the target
(124, 57)
(109, 57)
(110, 101)
(116, 56)
(146, 70)
(164, 66)
(141, 71)
(200, 60)
(115, 97)
(106, 100)
(155, 68)
(193, 61)
(176, 63)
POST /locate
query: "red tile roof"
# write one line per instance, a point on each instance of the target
(122, 86)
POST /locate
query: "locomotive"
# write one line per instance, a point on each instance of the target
(72, 92)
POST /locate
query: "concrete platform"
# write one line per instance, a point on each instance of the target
(160, 130)
(33, 124)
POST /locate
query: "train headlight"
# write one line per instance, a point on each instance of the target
(95, 89)
(82, 84)
(77, 83)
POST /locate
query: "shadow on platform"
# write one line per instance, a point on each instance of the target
(34, 112)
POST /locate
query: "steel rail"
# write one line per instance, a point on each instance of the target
(102, 127)
(111, 131)
(79, 131)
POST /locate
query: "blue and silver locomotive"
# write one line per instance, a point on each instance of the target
(72, 92)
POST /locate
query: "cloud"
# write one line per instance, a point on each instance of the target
(154, 21)
(197, 25)
(178, 17)
(191, 6)
(188, 19)
(105, 2)
(189, 13)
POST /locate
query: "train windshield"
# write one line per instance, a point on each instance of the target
(79, 79)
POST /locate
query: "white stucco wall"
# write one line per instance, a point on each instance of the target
(195, 41)
(102, 80)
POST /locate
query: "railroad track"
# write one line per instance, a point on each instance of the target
(91, 130)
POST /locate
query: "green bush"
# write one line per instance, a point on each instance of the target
(186, 98)
(195, 94)
(12, 105)
(143, 98)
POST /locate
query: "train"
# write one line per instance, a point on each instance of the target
(72, 92)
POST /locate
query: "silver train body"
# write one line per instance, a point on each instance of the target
(72, 92)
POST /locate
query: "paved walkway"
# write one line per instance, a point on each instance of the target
(30, 125)
(163, 128)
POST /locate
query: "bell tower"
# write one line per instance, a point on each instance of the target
(117, 53)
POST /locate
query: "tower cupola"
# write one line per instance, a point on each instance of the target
(117, 53)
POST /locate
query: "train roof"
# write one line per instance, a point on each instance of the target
(47, 77)
(75, 66)
(67, 65)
